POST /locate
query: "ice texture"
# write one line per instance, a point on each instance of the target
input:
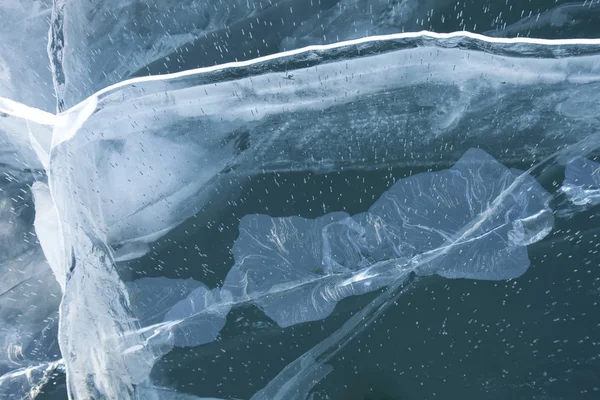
(184, 311)
(476, 219)
(582, 182)
(200, 316)
(465, 222)
(28, 382)
(142, 31)
(128, 164)
(296, 269)
(29, 294)
(24, 68)
(24, 143)
(100, 43)
(152, 298)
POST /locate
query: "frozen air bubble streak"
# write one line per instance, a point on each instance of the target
(56, 44)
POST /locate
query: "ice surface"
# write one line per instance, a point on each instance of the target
(183, 310)
(25, 145)
(152, 298)
(582, 182)
(142, 31)
(201, 315)
(471, 221)
(285, 266)
(297, 269)
(265, 120)
(133, 161)
(29, 294)
(27, 382)
(156, 37)
(46, 226)
(24, 68)
(465, 222)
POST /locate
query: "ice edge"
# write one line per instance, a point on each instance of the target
(368, 39)
(382, 38)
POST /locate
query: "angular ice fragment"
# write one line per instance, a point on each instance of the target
(130, 251)
(465, 222)
(184, 311)
(582, 182)
(480, 216)
(200, 317)
(531, 229)
(282, 264)
(152, 298)
(425, 211)
(47, 225)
